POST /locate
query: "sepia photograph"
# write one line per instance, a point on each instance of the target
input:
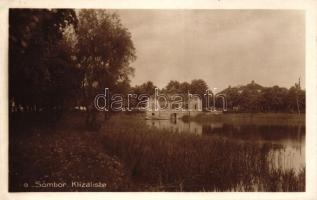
(157, 100)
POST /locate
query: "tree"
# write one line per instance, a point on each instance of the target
(176, 87)
(184, 87)
(273, 99)
(198, 86)
(295, 99)
(105, 50)
(173, 87)
(147, 88)
(39, 60)
(256, 98)
(233, 97)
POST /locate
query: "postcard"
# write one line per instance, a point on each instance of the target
(200, 100)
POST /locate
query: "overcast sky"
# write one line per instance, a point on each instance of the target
(223, 47)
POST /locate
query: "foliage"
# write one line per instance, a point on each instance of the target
(105, 50)
(39, 58)
(60, 58)
(256, 98)
(147, 88)
(198, 86)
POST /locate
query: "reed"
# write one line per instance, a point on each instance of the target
(158, 160)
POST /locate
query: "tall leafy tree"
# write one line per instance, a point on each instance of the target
(105, 51)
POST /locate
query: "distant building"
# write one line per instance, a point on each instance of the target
(157, 108)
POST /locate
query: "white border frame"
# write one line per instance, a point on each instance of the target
(311, 95)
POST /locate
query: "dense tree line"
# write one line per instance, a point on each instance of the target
(196, 86)
(251, 97)
(256, 98)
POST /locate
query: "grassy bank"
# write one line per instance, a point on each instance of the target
(251, 118)
(160, 161)
(61, 152)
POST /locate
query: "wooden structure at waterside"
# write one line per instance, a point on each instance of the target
(167, 110)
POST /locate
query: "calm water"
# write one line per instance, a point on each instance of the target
(289, 140)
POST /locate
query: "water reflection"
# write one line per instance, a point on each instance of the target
(176, 126)
(288, 140)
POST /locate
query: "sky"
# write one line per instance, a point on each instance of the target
(223, 47)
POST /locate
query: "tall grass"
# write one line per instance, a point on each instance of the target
(157, 160)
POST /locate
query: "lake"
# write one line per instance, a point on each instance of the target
(287, 140)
